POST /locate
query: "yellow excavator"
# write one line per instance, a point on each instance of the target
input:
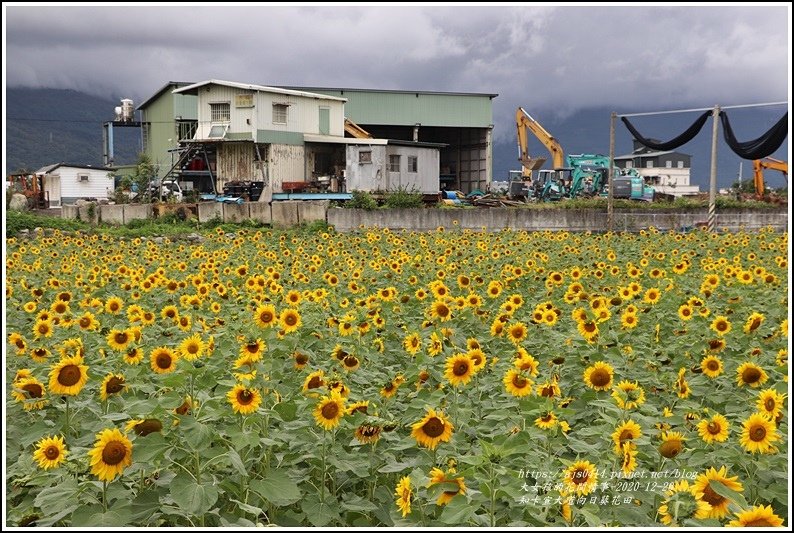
(355, 130)
(758, 172)
(524, 123)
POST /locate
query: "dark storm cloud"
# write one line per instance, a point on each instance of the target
(560, 58)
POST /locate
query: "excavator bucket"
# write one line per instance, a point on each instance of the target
(534, 163)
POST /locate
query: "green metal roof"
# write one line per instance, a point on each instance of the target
(408, 108)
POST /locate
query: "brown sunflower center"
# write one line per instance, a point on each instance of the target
(600, 377)
(754, 324)
(547, 391)
(19, 343)
(170, 313)
(114, 453)
(670, 448)
(721, 325)
(519, 382)
(758, 433)
(769, 404)
(290, 320)
(359, 409)
(626, 434)
(590, 327)
(714, 428)
(192, 348)
(350, 361)
(370, 431)
(580, 476)
(121, 337)
(301, 359)
(52, 452)
(266, 316)
(751, 375)
(245, 397)
(461, 368)
(150, 425)
(184, 408)
(33, 390)
(711, 497)
(330, 410)
(114, 385)
(69, 375)
(43, 328)
(40, 352)
(434, 427)
(713, 365)
(715, 344)
(85, 322)
(163, 360)
(442, 310)
(547, 417)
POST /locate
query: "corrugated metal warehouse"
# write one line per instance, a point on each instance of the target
(462, 121)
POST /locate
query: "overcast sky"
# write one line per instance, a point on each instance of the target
(564, 58)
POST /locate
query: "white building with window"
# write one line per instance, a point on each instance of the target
(66, 183)
(667, 171)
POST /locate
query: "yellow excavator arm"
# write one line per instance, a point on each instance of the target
(758, 172)
(524, 122)
(355, 130)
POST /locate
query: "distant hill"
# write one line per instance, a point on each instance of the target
(587, 131)
(45, 126)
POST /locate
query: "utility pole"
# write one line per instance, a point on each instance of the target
(713, 185)
(611, 173)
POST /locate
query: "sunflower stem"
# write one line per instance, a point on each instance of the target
(105, 495)
(66, 425)
(493, 495)
(322, 479)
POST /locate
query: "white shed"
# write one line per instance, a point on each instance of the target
(66, 183)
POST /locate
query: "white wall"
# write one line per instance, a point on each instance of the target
(425, 179)
(285, 163)
(64, 186)
(365, 176)
(303, 115)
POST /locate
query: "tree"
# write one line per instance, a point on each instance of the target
(142, 177)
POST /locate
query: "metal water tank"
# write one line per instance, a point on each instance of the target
(127, 110)
(118, 114)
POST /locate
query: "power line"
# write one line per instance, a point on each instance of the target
(698, 109)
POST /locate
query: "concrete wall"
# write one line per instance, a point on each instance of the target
(551, 219)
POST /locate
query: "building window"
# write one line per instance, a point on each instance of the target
(649, 164)
(146, 136)
(668, 164)
(279, 114)
(186, 129)
(680, 164)
(83, 177)
(220, 112)
(413, 163)
(394, 163)
(365, 157)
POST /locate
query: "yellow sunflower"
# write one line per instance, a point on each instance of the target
(546, 421)
(629, 462)
(628, 394)
(112, 453)
(439, 309)
(290, 320)
(350, 363)
(192, 347)
(252, 351)
(516, 384)
(244, 400)
(118, 339)
(432, 429)
(459, 369)
(438, 476)
(758, 516)
(29, 391)
(758, 434)
(750, 374)
(329, 411)
(113, 305)
(771, 403)
(721, 325)
(112, 384)
(672, 444)
(588, 329)
(43, 328)
(549, 389)
(719, 504)
(133, 356)
(626, 432)
(314, 381)
(580, 478)
(599, 376)
(517, 332)
(68, 376)
(404, 495)
(412, 343)
(301, 359)
(265, 316)
(358, 407)
(753, 322)
(683, 502)
(143, 427)
(50, 452)
(163, 360)
(714, 429)
(711, 366)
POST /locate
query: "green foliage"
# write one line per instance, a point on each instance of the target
(17, 221)
(404, 198)
(362, 200)
(142, 176)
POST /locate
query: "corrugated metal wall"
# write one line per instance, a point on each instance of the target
(235, 162)
(425, 179)
(286, 163)
(366, 176)
(474, 157)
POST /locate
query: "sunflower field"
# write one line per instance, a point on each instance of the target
(382, 378)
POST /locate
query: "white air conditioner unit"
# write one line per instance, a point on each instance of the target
(82, 177)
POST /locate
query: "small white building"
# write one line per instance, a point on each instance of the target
(65, 183)
(667, 171)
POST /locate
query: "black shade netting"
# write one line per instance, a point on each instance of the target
(672, 144)
(758, 148)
